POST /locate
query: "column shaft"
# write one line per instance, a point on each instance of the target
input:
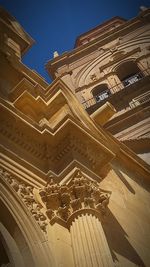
(89, 243)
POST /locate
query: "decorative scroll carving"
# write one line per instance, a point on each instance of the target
(25, 192)
(61, 201)
(93, 77)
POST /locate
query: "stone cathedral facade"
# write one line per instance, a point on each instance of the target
(74, 165)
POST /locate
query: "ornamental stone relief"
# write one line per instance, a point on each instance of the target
(61, 203)
(25, 192)
(79, 195)
(93, 77)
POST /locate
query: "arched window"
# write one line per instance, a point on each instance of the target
(101, 92)
(129, 73)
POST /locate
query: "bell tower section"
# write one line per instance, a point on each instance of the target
(109, 70)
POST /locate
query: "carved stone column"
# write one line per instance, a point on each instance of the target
(89, 243)
(80, 205)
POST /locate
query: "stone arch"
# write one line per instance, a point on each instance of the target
(83, 74)
(128, 72)
(19, 228)
(89, 68)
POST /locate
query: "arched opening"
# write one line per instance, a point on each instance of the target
(13, 243)
(101, 92)
(21, 238)
(4, 258)
(129, 73)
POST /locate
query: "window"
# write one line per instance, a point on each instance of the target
(132, 79)
(101, 92)
(129, 73)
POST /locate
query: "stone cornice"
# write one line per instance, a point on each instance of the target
(98, 30)
(54, 148)
(33, 77)
(21, 37)
(79, 123)
(58, 93)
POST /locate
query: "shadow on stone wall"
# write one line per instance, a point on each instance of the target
(135, 176)
(123, 179)
(118, 242)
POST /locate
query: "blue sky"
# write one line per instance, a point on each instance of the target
(54, 25)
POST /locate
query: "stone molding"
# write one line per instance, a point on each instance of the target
(72, 144)
(36, 238)
(24, 140)
(25, 193)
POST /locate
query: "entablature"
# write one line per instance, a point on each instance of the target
(53, 148)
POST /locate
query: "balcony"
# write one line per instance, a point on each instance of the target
(128, 85)
(103, 95)
(132, 79)
(141, 99)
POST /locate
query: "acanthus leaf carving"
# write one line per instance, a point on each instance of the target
(62, 201)
(25, 192)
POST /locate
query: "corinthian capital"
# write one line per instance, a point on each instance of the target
(80, 195)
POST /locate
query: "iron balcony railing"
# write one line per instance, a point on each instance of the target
(139, 100)
(113, 90)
